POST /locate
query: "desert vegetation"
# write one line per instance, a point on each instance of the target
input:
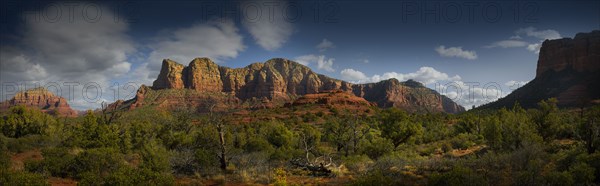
(511, 146)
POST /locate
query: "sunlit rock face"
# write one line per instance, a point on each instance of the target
(281, 80)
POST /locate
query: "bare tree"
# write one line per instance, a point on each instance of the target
(110, 112)
(317, 166)
(215, 119)
(306, 145)
(358, 132)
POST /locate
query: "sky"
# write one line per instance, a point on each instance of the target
(99, 51)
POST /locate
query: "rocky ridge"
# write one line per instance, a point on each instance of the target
(282, 81)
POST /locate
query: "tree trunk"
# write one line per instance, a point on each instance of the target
(223, 156)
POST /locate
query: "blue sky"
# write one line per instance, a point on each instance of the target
(472, 51)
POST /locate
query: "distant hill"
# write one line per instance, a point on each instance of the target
(42, 99)
(568, 69)
(274, 83)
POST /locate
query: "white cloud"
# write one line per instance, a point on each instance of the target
(531, 32)
(142, 74)
(466, 94)
(324, 45)
(353, 75)
(469, 94)
(323, 63)
(119, 69)
(16, 66)
(75, 49)
(426, 75)
(540, 34)
(456, 52)
(513, 85)
(266, 23)
(306, 59)
(69, 50)
(366, 61)
(217, 40)
(535, 47)
(508, 44)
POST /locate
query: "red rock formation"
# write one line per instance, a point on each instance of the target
(410, 95)
(332, 98)
(43, 99)
(171, 76)
(281, 80)
(582, 54)
(139, 97)
(203, 75)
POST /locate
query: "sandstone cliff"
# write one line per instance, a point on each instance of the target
(567, 69)
(581, 54)
(280, 80)
(43, 99)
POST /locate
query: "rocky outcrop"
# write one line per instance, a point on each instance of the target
(275, 79)
(280, 80)
(43, 99)
(331, 98)
(409, 95)
(581, 54)
(568, 69)
(170, 77)
(203, 75)
(139, 97)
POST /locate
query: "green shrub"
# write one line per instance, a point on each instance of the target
(278, 135)
(130, 176)
(99, 161)
(374, 178)
(22, 121)
(309, 117)
(582, 173)
(594, 161)
(447, 147)
(463, 141)
(426, 150)
(358, 163)
(559, 178)
(459, 175)
(206, 159)
(4, 157)
(93, 134)
(284, 154)
(25, 143)
(155, 157)
(58, 161)
(89, 178)
(8, 177)
(36, 166)
(258, 144)
(377, 147)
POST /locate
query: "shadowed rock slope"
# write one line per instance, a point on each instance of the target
(568, 69)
